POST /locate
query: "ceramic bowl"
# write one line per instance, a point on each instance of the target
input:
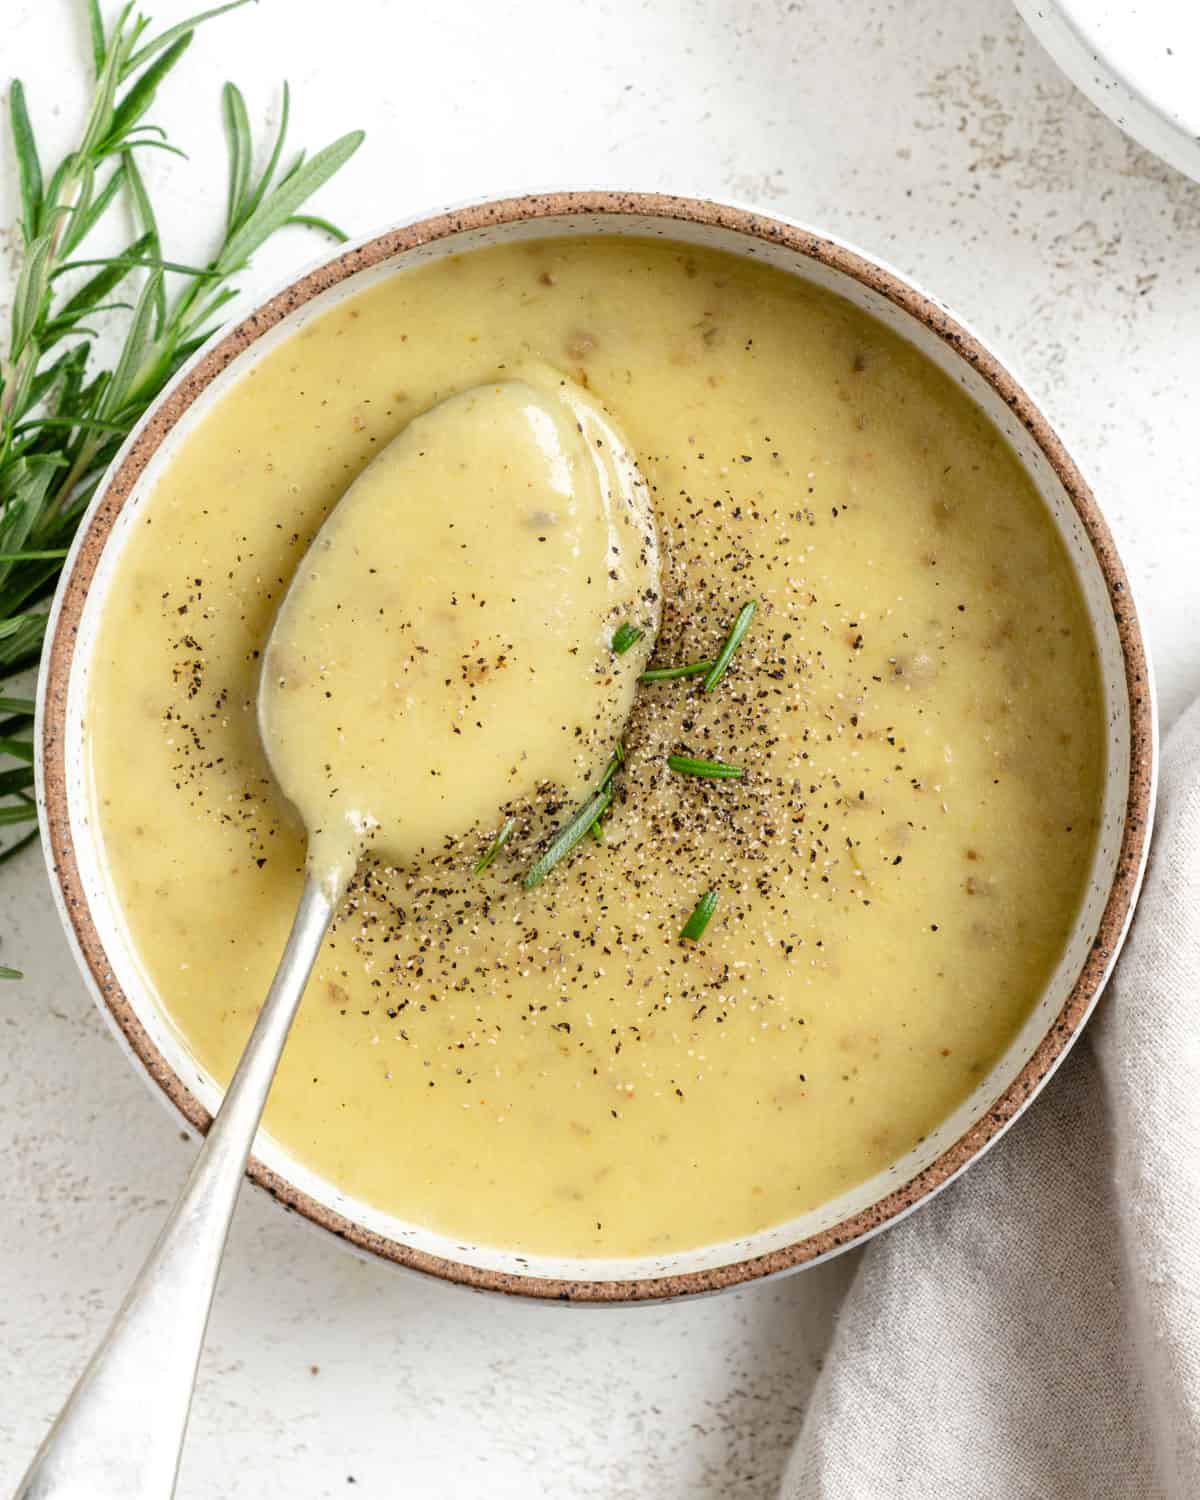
(96, 929)
(1136, 60)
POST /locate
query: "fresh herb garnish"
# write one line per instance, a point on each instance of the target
(62, 419)
(700, 918)
(495, 847)
(688, 765)
(666, 674)
(585, 820)
(18, 749)
(732, 641)
(568, 836)
(624, 636)
(615, 761)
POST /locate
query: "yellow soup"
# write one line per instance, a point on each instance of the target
(915, 709)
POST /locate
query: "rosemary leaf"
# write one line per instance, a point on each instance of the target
(568, 836)
(323, 226)
(133, 143)
(32, 289)
(694, 927)
(732, 641)
(254, 198)
(43, 388)
(717, 770)
(96, 30)
(71, 424)
(168, 37)
(140, 95)
(29, 168)
(84, 219)
(129, 365)
(615, 761)
(147, 222)
(241, 153)
(585, 820)
(625, 636)
(495, 847)
(667, 674)
(19, 779)
(16, 627)
(144, 263)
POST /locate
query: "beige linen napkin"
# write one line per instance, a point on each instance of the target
(1034, 1334)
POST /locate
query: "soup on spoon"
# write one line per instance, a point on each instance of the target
(447, 645)
(466, 630)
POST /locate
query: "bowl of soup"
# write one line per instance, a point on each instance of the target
(871, 835)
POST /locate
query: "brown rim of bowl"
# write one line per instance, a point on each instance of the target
(1118, 908)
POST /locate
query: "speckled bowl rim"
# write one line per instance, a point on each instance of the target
(116, 488)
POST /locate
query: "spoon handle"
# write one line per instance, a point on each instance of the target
(120, 1433)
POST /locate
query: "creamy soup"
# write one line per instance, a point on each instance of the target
(914, 711)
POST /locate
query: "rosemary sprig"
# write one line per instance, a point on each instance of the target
(624, 636)
(495, 847)
(718, 770)
(568, 836)
(694, 927)
(61, 418)
(667, 674)
(732, 641)
(585, 819)
(615, 761)
(715, 669)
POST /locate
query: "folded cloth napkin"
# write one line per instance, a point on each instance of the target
(1034, 1333)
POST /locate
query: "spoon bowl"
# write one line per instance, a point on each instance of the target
(444, 651)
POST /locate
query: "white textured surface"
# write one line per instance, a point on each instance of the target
(938, 136)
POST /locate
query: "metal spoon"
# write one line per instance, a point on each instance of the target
(120, 1434)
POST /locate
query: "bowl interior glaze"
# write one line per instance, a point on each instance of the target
(94, 922)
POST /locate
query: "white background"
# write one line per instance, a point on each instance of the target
(934, 134)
